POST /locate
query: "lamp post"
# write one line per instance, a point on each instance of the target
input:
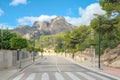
(99, 40)
(19, 57)
(34, 49)
(99, 36)
(34, 46)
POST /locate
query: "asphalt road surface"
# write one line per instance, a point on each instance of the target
(57, 68)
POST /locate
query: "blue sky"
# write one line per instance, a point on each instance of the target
(24, 12)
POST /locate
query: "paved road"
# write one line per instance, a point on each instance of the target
(57, 68)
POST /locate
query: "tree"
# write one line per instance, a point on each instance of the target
(109, 31)
(79, 35)
(18, 43)
(5, 37)
(30, 46)
(110, 5)
(67, 39)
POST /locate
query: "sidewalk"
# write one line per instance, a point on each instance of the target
(104, 70)
(113, 71)
(6, 73)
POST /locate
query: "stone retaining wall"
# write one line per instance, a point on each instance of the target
(9, 58)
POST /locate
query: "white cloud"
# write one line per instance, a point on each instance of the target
(30, 20)
(73, 20)
(1, 12)
(86, 15)
(17, 2)
(5, 26)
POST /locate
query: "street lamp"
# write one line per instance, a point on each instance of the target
(99, 38)
(18, 50)
(34, 46)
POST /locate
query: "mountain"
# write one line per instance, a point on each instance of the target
(58, 24)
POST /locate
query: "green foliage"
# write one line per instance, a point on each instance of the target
(110, 5)
(42, 50)
(50, 40)
(74, 41)
(78, 37)
(37, 49)
(18, 43)
(109, 31)
(30, 46)
(5, 36)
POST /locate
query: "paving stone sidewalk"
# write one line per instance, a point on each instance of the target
(6, 73)
(104, 69)
(113, 71)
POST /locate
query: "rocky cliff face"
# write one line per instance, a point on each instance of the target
(41, 25)
(59, 24)
(111, 57)
(56, 25)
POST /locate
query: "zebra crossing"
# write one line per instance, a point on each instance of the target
(61, 76)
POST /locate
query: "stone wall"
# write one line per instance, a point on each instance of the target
(9, 58)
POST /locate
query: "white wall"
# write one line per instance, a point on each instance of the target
(7, 58)
(1, 59)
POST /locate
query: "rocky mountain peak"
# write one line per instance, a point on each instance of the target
(58, 19)
(41, 25)
(58, 24)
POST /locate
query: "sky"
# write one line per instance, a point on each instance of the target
(25, 12)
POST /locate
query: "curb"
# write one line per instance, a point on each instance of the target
(23, 68)
(94, 70)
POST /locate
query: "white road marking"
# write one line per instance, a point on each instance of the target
(57, 66)
(19, 77)
(101, 77)
(31, 76)
(86, 76)
(59, 76)
(45, 76)
(72, 76)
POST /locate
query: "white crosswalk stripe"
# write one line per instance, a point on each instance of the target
(99, 76)
(19, 77)
(31, 76)
(72, 76)
(59, 76)
(86, 76)
(45, 76)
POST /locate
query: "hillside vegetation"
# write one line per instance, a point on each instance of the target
(84, 36)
